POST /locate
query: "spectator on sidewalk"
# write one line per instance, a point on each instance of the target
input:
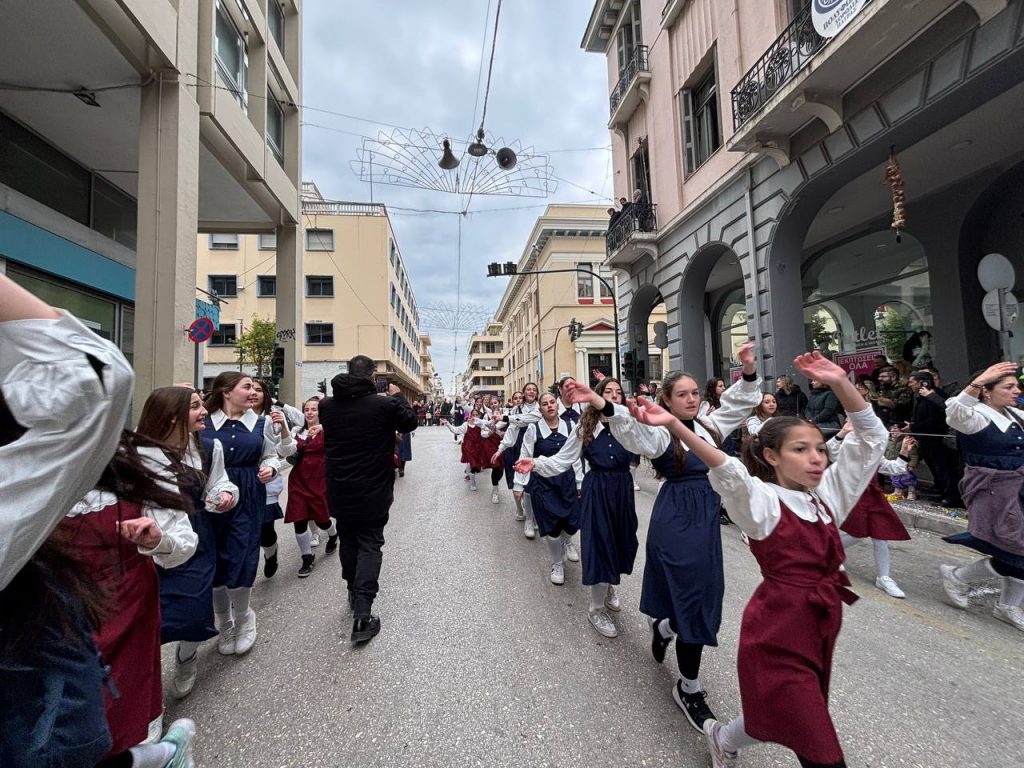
(892, 401)
(791, 399)
(359, 431)
(928, 423)
(823, 409)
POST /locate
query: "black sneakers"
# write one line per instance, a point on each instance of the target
(270, 565)
(658, 643)
(694, 706)
(332, 544)
(365, 628)
(307, 566)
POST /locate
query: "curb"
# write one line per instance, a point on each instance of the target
(929, 519)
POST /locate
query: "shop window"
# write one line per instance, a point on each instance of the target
(870, 293)
(275, 126)
(224, 285)
(114, 214)
(230, 55)
(268, 241)
(732, 331)
(224, 336)
(320, 286)
(219, 242)
(98, 313)
(319, 239)
(266, 286)
(275, 20)
(320, 333)
(701, 130)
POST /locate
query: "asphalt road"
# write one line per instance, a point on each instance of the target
(483, 662)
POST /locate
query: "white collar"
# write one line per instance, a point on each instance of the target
(545, 431)
(1002, 422)
(801, 503)
(249, 419)
(562, 408)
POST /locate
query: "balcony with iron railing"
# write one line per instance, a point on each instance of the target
(803, 75)
(634, 233)
(631, 88)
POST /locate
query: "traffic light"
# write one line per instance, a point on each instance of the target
(575, 329)
(322, 387)
(277, 364)
(628, 368)
(641, 369)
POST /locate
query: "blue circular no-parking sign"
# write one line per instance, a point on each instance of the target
(200, 330)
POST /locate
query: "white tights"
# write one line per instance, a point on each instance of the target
(883, 559)
(734, 737)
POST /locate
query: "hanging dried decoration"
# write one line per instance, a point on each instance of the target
(894, 178)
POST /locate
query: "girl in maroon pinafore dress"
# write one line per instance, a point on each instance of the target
(790, 506)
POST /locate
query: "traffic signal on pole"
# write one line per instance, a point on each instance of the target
(277, 364)
(628, 368)
(511, 268)
(322, 387)
(641, 369)
(575, 329)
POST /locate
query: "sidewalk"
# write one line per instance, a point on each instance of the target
(926, 516)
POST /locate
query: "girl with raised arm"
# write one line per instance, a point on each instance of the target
(524, 413)
(790, 504)
(683, 577)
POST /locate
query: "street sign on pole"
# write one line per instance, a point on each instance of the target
(200, 330)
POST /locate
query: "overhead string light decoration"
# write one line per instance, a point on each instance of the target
(894, 178)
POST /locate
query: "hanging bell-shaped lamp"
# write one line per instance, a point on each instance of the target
(477, 148)
(448, 161)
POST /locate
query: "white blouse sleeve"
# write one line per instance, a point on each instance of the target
(178, 541)
(526, 452)
(218, 482)
(71, 391)
(459, 430)
(752, 504)
(508, 440)
(274, 445)
(859, 455)
(737, 403)
(753, 425)
(568, 457)
(963, 416)
(636, 437)
(524, 419)
(895, 466)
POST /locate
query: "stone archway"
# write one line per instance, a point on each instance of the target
(712, 268)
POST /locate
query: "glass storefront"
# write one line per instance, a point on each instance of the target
(731, 333)
(870, 293)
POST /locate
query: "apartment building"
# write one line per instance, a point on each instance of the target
(134, 125)
(759, 137)
(356, 295)
(485, 362)
(536, 309)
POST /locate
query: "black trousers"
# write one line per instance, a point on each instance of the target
(942, 462)
(361, 557)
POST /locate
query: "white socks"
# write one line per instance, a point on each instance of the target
(882, 558)
(240, 600)
(979, 570)
(597, 593)
(187, 650)
(1013, 592)
(689, 686)
(303, 540)
(528, 505)
(152, 755)
(271, 550)
(664, 628)
(519, 503)
(472, 482)
(733, 737)
(555, 549)
(333, 530)
(222, 606)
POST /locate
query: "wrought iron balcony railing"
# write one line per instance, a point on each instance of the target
(786, 57)
(638, 217)
(637, 63)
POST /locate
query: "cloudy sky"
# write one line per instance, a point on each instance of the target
(416, 63)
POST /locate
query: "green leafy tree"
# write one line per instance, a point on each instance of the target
(893, 331)
(256, 345)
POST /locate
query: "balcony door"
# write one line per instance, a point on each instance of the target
(641, 167)
(629, 35)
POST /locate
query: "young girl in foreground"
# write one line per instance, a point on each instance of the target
(789, 502)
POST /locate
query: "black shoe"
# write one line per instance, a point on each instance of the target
(270, 566)
(401, 473)
(658, 643)
(694, 706)
(365, 628)
(307, 566)
(723, 517)
(332, 544)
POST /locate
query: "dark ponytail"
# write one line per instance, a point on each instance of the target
(772, 435)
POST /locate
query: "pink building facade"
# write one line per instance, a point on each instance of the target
(759, 150)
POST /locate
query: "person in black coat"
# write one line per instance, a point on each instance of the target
(359, 436)
(790, 398)
(823, 408)
(928, 425)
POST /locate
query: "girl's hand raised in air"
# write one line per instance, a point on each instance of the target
(815, 366)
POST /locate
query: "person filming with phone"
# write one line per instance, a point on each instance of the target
(359, 438)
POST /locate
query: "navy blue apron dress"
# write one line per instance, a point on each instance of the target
(608, 521)
(511, 456)
(556, 506)
(684, 580)
(237, 531)
(186, 592)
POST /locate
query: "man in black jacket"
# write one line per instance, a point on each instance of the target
(928, 424)
(359, 434)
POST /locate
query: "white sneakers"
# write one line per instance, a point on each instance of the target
(245, 633)
(529, 529)
(557, 574)
(571, 554)
(494, 496)
(611, 600)
(314, 540)
(636, 486)
(185, 673)
(1011, 614)
(472, 482)
(603, 623)
(226, 639)
(719, 757)
(890, 587)
(956, 589)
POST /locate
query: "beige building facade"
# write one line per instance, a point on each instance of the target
(356, 295)
(136, 125)
(760, 144)
(535, 310)
(485, 363)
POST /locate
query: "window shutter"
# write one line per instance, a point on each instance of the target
(686, 105)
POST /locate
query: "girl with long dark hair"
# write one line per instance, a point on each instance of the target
(712, 401)
(176, 417)
(790, 504)
(608, 522)
(262, 403)
(307, 489)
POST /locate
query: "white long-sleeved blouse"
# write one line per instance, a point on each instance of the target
(967, 414)
(568, 456)
(542, 429)
(71, 390)
(755, 506)
(737, 402)
(273, 445)
(529, 413)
